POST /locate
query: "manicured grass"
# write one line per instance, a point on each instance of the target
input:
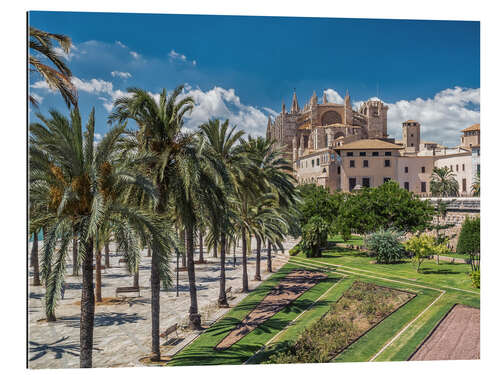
(456, 255)
(201, 351)
(354, 240)
(446, 274)
(354, 265)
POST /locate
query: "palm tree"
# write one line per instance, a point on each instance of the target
(221, 147)
(476, 185)
(58, 78)
(443, 183)
(175, 168)
(85, 186)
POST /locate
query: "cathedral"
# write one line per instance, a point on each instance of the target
(341, 148)
(321, 125)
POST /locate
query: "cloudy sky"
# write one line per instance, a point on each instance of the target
(243, 68)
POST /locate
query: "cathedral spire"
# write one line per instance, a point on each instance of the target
(283, 109)
(324, 97)
(295, 103)
(314, 99)
(347, 99)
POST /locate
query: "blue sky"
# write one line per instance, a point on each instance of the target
(243, 68)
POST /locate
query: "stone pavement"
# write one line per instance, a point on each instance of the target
(122, 332)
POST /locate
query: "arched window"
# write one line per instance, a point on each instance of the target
(331, 117)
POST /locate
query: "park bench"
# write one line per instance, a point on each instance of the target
(169, 331)
(127, 289)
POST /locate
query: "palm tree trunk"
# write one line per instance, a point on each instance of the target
(87, 307)
(200, 259)
(194, 317)
(244, 260)
(34, 261)
(183, 255)
(222, 302)
(98, 279)
(106, 255)
(155, 308)
(75, 253)
(269, 259)
(257, 261)
(136, 279)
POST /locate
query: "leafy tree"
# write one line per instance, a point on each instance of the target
(314, 237)
(469, 241)
(317, 201)
(422, 247)
(444, 183)
(386, 245)
(58, 78)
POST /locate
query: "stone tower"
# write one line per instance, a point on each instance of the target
(411, 135)
(376, 114)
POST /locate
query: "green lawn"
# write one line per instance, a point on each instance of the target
(201, 351)
(354, 240)
(440, 285)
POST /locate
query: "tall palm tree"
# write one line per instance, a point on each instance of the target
(443, 183)
(476, 185)
(84, 185)
(222, 147)
(58, 78)
(175, 168)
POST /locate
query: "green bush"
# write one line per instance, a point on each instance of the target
(469, 241)
(475, 278)
(295, 250)
(314, 236)
(386, 246)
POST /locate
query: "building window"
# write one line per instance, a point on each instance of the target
(317, 161)
(406, 169)
(411, 135)
(365, 163)
(456, 167)
(362, 153)
(388, 153)
(451, 168)
(463, 167)
(338, 170)
(407, 186)
(375, 153)
(423, 187)
(387, 163)
(312, 162)
(411, 145)
(352, 164)
(352, 183)
(423, 169)
(464, 185)
(387, 179)
(366, 182)
(350, 154)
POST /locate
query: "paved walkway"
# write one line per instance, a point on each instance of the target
(122, 332)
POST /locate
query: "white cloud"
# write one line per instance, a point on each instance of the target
(271, 111)
(121, 44)
(73, 50)
(441, 117)
(179, 57)
(94, 86)
(135, 55)
(333, 96)
(41, 85)
(124, 75)
(225, 104)
(97, 136)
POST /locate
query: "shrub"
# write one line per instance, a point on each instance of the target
(386, 246)
(314, 236)
(422, 247)
(469, 241)
(295, 250)
(475, 277)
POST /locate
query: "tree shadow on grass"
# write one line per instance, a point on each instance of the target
(441, 271)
